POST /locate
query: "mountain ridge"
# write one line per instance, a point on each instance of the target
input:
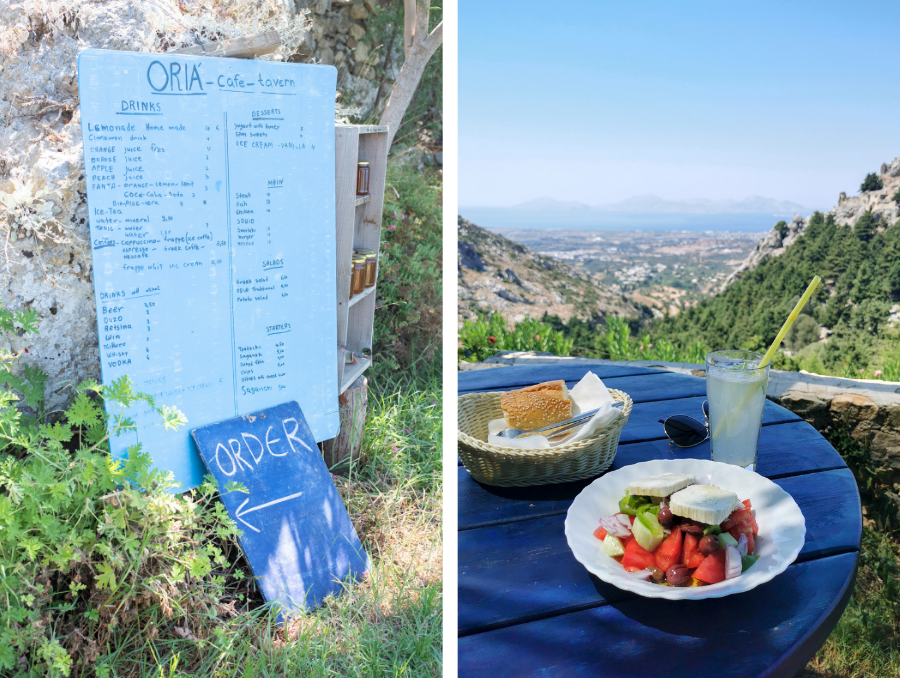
(649, 203)
(847, 212)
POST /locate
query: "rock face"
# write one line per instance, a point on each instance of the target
(773, 244)
(340, 37)
(49, 268)
(498, 275)
(846, 213)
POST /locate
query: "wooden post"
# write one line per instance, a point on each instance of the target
(344, 450)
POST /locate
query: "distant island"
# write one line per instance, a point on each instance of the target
(654, 204)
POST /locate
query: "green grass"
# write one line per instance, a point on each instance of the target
(387, 625)
(866, 641)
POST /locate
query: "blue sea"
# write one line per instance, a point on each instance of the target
(500, 218)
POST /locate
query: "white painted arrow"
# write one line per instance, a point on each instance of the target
(238, 514)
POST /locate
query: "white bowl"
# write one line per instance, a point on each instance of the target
(782, 528)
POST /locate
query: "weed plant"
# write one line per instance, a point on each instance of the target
(482, 338)
(408, 317)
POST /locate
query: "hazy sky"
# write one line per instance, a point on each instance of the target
(598, 101)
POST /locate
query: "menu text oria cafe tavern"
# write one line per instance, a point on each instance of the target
(211, 201)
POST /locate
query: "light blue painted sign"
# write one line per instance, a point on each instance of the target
(297, 535)
(211, 198)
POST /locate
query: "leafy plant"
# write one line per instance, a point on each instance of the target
(408, 317)
(782, 228)
(872, 182)
(88, 541)
(482, 338)
(896, 196)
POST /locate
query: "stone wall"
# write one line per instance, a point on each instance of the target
(41, 146)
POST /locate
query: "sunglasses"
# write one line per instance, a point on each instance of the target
(685, 431)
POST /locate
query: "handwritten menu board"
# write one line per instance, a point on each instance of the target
(211, 197)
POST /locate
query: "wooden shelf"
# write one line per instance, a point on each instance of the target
(358, 226)
(359, 297)
(351, 372)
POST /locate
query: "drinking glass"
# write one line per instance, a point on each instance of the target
(736, 390)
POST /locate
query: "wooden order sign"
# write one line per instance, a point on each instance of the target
(297, 535)
(212, 218)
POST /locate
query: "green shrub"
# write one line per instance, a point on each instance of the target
(866, 227)
(589, 339)
(871, 183)
(896, 196)
(782, 228)
(87, 541)
(482, 338)
(408, 317)
(803, 332)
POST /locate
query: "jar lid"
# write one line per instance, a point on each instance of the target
(363, 252)
(364, 164)
(359, 260)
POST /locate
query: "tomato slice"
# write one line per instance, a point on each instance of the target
(712, 569)
(746, 503)
(669, 552)
(737, 516)
(745, 529)
(692, 556)
(600, 533)
(637, 556)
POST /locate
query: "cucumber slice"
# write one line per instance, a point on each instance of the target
(612, 546)
(725, 539)
(647, 530)
(712, 529)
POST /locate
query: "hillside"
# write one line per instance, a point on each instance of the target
(850, 324)
(880, 203)
(499, 275)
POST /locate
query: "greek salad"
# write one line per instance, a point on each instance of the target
(669, 530)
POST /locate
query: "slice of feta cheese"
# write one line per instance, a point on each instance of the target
(703, 503)
(661, 485)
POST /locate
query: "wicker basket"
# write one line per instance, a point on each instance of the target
(506, 467)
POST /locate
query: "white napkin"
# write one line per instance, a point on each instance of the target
(587, 394)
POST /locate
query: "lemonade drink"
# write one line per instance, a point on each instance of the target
(736, 390)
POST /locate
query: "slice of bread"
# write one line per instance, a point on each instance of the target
(536, 406)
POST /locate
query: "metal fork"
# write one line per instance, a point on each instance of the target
(557, 428)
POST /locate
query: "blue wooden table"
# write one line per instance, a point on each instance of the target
(528, 608)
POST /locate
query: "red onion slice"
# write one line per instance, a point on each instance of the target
(640, 574)
(614, 527)
(732, 562)
(625, 520)
(742, 544)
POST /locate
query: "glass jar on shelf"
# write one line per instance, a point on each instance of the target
(362, 178)
(371, 265)
(358, 277)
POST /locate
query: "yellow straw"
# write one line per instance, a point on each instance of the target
(726, 421)
(790, 321)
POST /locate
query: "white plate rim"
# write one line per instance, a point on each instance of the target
(780, 542)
